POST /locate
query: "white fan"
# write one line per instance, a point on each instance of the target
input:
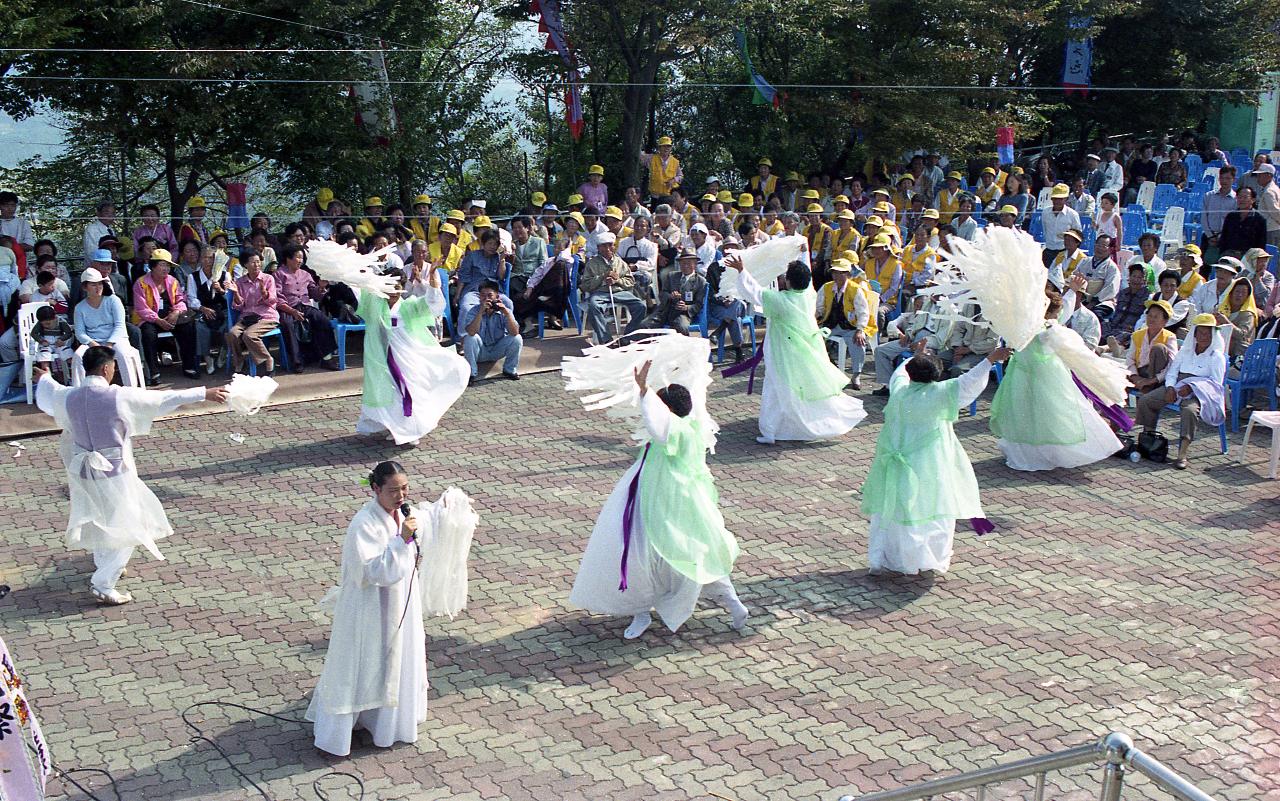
(1000, 270)
(765, 263)
(608, 375)
(334, 262)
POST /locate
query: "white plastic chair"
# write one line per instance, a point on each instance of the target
(1269, 420)
(128, 362)
(27, 323)
(1171, 230)
(1212, 172)
(1146, 194)
(1044, 201)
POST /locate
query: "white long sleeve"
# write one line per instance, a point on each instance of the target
(750, 289)
(391, 566)
(974, 382)
(656, 417)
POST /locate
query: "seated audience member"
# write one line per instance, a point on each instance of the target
(680, 296)
(207, 297)
(308, 333)
(100, 320)
(254, 298)
(491, 332)
(160, 306)
(843, 310)
(1152, 348)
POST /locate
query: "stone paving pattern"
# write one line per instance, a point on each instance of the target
(1114, 596)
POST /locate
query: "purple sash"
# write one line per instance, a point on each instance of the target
(398, 378)
(981, 525)
(628, 512)
(750, 364)
(1115, 415)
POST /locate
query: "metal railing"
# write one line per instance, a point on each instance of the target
(1116, 752)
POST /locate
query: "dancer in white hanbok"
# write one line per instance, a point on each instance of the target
(375, 671)
(112, 511)
(410, 380)
(803, 396)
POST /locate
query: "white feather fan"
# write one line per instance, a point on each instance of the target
(765, 263)
(608, 374)
(1001, 270)
(334, 262)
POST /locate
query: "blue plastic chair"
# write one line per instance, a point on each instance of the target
(1257, 371)
(1275, 258)
(996, 368)
(1035, 226)
(340, 331)
(448, 311)
(1090, 233)
(278, 334)
(1176, 408)
(749, 320)
(700, 325)
(1193, 202)
(1135, 224)
(1164, 198)
(1195, 167)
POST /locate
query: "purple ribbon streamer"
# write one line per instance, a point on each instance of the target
(628, 512)
(1115, 415)
(401, 386)
(750, 364)
(981, 525)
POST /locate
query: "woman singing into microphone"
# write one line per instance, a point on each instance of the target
(375, 674)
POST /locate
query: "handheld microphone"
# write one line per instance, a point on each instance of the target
(404, 513)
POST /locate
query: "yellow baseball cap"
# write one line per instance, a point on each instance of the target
(881, 207)
(955, 175)
(840, 199)
(809, 194)
(664, 141)
(930, 214)
(196, 202)
(372, 201)
(481, 221)
(746, 201)
(1194, 250)
(880, 190)
(1164, 306)
(710, 197)
(724, 196)
(850, 256)
(988, 170)
(576, 216)
(841, 265)
(794, 176)
(457, 215)
(764, 162)
(422, 200)
(882, 241)
(847, 214)
(1007, 209)
(538, 199)
(324, 197)
(1060, 190)
(575, 199)
(449, 228)
(614, 212)
(160, 254)
(596, 169)
(815, 208)
(875, 220)
(1205, 319)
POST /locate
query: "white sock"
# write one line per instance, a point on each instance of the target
(639, 624)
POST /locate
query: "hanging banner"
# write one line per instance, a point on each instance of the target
(25, 763)
(1077, 60)
(551, 23)
(375, 110)
(237, 206)
(763, 92)
(1004, 144)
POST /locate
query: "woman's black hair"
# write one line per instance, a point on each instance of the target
(925, 368)
(382, 471)
(798, 275)
(1174, 274)
(677, 398)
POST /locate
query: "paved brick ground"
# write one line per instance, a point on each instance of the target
(1113, 597)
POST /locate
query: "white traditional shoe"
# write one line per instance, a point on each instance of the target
(639, 624)
(764, 440)
(111, 597)
(740, 615)
(412, 443)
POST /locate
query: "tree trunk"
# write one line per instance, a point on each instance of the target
(637, 99)
(404, 177)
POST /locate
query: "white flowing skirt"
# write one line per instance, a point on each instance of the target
(436, 377)
(910, 549)
(1099, 443)
(651, 583)
(783, 416)
(114, 513)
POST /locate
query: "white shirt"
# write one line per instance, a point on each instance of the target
(1205, 299)
(1107, 273)
(1057, 223)
(1211, 363)
(20, 230)
(1156, 263)
(1086, 324)
(92, 233)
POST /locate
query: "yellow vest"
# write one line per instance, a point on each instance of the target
(1069, 267)
(774, 228)
(873, 305)
(770, 185)
(948, 204)
(365, 228)
(428, 235)
(844, 241)
(451, 262)
(827, 296)
(818, 236)
(1189, 284)
(988, 194)
(662, 177)
(913, 260)
(885, 276)
(575, 247)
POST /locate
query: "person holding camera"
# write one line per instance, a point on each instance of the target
(253, 295)
(492, 333)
